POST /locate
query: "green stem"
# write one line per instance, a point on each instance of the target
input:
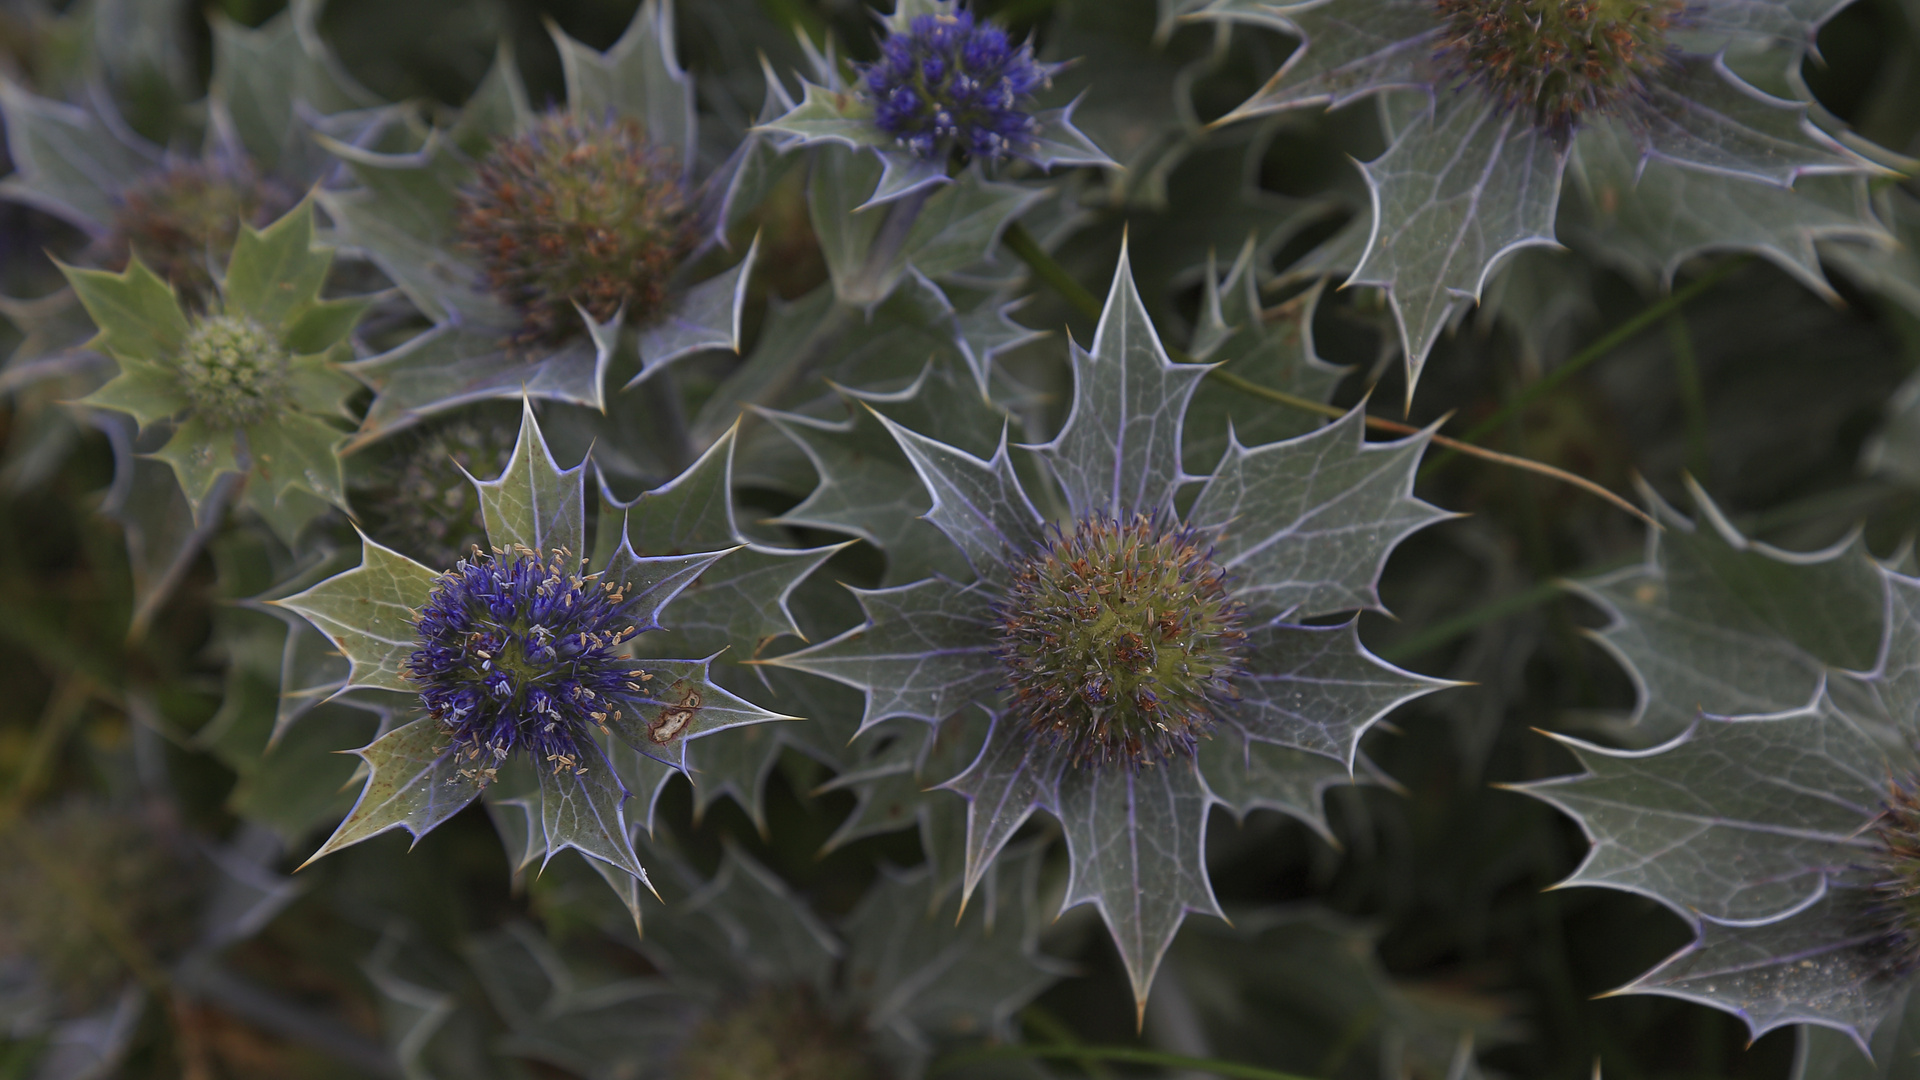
(1124, 1054)
(1021, 243)
(1686, 368)
(1055, 1030)
(1615, 338)
(1466, 622)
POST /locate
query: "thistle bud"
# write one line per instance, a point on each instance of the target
(184, 217)
(233, 371)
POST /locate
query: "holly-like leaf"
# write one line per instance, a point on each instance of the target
(1317, 688)
(707, 317)
(582, 807)
(1136, 840)
(1247, 775)
(138, 316)
(1003, 787)
(263, 78)
(1823, 965)
(1306, 525)
(680, 701)
(297, 451)
(1649, 217)
(402, 216)
(67, 161)
(1736, 820)
(1347, 50)
(979, 505)
(201, 452)
(369, 614)
(456, 364)
(148, 392)
(825, 115)
(1461, 187)
(414, 783)
(1717, 623)
(535, 504)
(276, 272)
(1119, 452)
(638, 77)
(1827, 1053)
(925, 650)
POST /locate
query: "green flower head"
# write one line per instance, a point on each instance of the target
(251, 386)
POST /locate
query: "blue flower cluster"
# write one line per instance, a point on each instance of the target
(522, 653)
(949, 82)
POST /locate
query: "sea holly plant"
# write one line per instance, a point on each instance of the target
(522, 664)
(904, 145)
(1500, 95)
(1780, 819)
(1138, 659)
(545, 246)
(250, 384)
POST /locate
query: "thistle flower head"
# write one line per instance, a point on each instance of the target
(516, 652)
(1556, 60)
(776, 1033)
(951, 83)
(578, 213)
(1895, 874)
(1118, 638)
(233, 371)
(420, 497)
(180, 218)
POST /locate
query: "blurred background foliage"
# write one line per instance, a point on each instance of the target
(1426, 915)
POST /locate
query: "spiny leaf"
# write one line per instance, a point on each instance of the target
(414, 784)
(66, 161)
(583, 807)
(456, 364)
(1700, 114)
(1306, 525)
(299, 451)
(825, 115)
(680, 702)
(1247, 775)
(1823, 965)
(1461, 186)
(707, 317)
(535, 504)
(200, 452)
(1347, 50)
(979, 505)
(1119, 452)
(1715, 622)
(1739, 820)
(925, 650)
(1827, 1053)
(275, 272)
(1136, 841)
(368, 614)
(1003, 787)
(146, 391)
(138, 316)
(261, 78)
(1317, 688)
(637, 77)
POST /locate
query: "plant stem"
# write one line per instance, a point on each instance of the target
(1021, 243)
(1686, 368)
(1467, 621)
(1612, 340)
(1124, 1054)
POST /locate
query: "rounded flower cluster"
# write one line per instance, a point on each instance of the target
(233, 371)
(578, 213)
(1895, 875)
(181, 219)
(519, 653)
(778, 1033)
(1556, 60)
(949, 82)
(419, 497)
(1119, 639)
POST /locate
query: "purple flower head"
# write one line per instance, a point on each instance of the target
(949, 82)
(523, 653)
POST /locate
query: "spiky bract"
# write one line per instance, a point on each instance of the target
(1118, 638)
(233, 371)
(517, 652)
(776, 1033)
(184, 218)
(1556, 60)
(951, 83)
(578, 213)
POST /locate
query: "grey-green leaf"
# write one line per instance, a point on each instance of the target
(369, 612)
(414, 783)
